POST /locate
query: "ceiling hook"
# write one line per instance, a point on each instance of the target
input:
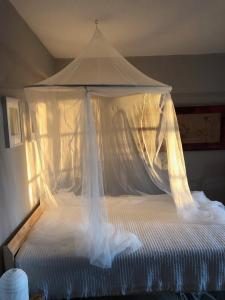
(96, 22)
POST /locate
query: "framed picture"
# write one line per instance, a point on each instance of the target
(12, 122)
(202, 127)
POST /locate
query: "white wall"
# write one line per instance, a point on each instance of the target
(23, 60)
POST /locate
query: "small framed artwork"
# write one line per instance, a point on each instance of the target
(12, 122)
(202, 127)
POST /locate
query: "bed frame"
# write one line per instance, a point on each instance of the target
(14, 243)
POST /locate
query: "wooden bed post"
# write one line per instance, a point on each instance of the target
(10, 249)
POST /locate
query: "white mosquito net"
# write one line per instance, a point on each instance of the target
(104, 128)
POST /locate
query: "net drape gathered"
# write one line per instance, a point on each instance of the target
(104, 128)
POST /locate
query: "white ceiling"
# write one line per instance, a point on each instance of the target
(135, 27)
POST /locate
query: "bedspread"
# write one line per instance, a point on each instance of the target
(174, 257)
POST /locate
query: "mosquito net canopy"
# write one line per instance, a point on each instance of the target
(102, 127)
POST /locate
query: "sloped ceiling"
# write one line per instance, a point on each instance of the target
(135, 27)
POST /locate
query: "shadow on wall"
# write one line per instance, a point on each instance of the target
(206, 172)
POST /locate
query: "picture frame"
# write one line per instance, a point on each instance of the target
(12, 122)
(202, 127)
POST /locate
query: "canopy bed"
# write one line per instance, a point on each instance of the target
(108, 146)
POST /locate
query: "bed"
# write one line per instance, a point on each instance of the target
(174, 256)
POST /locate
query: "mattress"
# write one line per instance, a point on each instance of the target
(174, 257)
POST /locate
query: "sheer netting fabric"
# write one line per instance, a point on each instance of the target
(104, 128)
